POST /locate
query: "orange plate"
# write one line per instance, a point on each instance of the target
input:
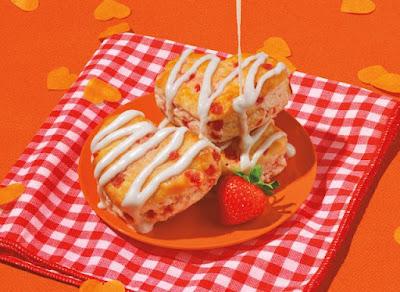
(198, 226)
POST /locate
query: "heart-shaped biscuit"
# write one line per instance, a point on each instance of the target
(109, 9)
(60, 79)
(11, 193)
(97, 91)
(357, 6)
(26, 5)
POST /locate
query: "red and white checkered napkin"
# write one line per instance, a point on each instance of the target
(53, 231)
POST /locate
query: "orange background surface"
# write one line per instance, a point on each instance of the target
(323, 40)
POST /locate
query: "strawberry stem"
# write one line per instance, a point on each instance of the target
(254, 177)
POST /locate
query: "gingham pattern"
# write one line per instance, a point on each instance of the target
(52, 220)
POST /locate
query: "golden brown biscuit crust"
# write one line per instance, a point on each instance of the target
(173, 195)
(273, 160)
(223, 121)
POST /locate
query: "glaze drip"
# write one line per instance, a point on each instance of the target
(129, 150)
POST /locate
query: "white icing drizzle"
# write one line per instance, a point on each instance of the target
(163, 123)
(206, 96)
(115, 124)
(173, 84)
(250, 90)
(267, 143)
(120, 133)
(143, 226)
(136, 197)
(121, 156)
(290, 150)
(132, 155)
(179, 166)
(239, 42)
(175, 169)
(170, 88)
(142, 129)
(252, 161)
(248, 99)
(252, 139)
(225, 145)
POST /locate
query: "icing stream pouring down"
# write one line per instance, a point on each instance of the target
(240, 104)
(244, 101)
(248, 92)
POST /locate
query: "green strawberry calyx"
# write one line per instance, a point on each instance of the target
(254, 177)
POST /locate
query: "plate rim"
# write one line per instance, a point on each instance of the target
(169, 243)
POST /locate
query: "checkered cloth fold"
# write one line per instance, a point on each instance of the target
(51, 230)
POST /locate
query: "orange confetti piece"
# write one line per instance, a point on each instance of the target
(60, 79)
(89, 285)
(115, 29)
(109, 9)
(276, 46)
(389, 82)
(11, 193)
(92, 285)
(397, 235)
(98, 91)
(26, 5)
(357, 6)
(369, 74)
(289, 65)
(113, 286)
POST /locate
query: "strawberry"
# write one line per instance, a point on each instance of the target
(243, 197)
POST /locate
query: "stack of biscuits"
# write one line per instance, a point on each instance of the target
(223, 126)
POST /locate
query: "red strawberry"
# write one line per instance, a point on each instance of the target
(243, 198)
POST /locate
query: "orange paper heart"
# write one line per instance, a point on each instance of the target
(89, 285)
(397, 235)
(276, 46)
(92, 285)
(112, 286)
(289, 65)
(11, 193)
(370, 73)
(357, 6)
(98, 91)
(109, 9)
(115, 29)
(389, 82)
(60, 79)
(26, 5)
